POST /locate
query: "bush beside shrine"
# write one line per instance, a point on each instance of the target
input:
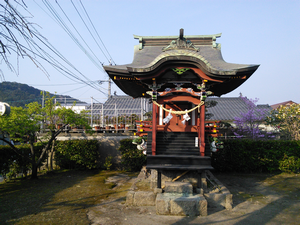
(132, 158)
(258, 156)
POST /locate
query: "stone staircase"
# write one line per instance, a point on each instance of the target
(178, 199)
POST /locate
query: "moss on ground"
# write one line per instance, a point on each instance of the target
(62, 198)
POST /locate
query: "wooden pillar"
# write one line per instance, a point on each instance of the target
(158, 178)
(202, 183)
(202, 130)
(199, 133)
(154, 124)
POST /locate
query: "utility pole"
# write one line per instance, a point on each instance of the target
(43, 99)
(43, 105)
(109, 86)
(92, 112)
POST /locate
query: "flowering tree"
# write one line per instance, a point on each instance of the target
(287, 120)
(247, 125)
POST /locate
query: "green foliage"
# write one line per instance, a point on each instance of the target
(287, 120)
(12, 164)
(7, 158)
(77, 154)
(108, 162)
(23, 125)
(132, 158)
(290, 164)
(255, 156)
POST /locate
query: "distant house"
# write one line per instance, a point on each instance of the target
(228, 108)
(75, 104)
(119, 106)
(275, 106)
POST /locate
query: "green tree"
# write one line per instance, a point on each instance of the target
(23, 125)
(287, 120)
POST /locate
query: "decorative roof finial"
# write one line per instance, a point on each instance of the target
(181, 34)
(180, 43)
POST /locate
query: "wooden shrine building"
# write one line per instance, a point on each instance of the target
(177, 73)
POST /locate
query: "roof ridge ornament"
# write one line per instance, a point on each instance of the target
(180, 43)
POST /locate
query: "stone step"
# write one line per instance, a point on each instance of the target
(178, 187)
(181, 205)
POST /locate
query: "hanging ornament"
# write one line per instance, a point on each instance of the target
(216, 144)
(168, 118)
(203, 96)
(213, 146)
(186, 117)
(154, 95)
(140, 146)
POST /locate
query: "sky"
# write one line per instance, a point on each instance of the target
(263, 32)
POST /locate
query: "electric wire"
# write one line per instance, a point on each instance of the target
(96, 33)
(36, 50)
(89, 31)
(86, 52)
(69, 32)
(63, 58)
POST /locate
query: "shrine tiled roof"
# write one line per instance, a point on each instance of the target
(228, 108)
(156, 56)
(205, 50)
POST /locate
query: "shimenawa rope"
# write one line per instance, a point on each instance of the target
(179, 112)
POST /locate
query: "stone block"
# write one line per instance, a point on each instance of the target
(185, 206)
(144, 198)
(157, 190)
(228, 202)
(216, 199)
(178, 187)
(199, 191)
(202, 206)
(129, 198)
(163, 204)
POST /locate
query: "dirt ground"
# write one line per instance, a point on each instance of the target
(257, 199)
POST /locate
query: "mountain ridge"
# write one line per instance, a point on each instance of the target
(17, 94)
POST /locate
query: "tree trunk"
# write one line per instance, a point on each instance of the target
(33, 163)
(34, 170)
(51, 155)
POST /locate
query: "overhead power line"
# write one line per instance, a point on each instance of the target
(97, 33)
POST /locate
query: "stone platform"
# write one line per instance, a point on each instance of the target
(179, 198)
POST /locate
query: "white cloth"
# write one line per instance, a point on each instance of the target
(168, 118)
(186, 117)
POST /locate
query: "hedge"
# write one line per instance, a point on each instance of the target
(12, 164)
(132, 158)
(77, 154)
(258, 156)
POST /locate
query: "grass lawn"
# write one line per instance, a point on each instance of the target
(60, 198)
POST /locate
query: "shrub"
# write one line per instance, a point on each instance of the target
(289, 164)
(77, 154)
(256, 156)
(108, 162)
(13, 164)
(132, 158)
